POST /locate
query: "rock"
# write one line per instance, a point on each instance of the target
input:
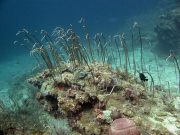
(90, 109)
(168, 30)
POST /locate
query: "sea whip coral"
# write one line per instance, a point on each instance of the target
(123, 126)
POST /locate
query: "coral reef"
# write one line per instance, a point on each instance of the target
(91, 105)
(91, 86)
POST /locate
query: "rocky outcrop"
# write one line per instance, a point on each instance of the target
(91, 102)
(168, 30)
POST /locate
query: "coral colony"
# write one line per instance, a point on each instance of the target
(91, 82)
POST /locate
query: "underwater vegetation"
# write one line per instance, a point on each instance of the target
(172, 55)
(94, 86)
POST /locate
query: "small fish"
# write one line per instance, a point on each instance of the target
(142, 77)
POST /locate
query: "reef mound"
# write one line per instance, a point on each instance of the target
(92, 97)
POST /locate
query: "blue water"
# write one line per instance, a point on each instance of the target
(107, 16)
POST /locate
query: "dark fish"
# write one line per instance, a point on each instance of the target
(142, 77)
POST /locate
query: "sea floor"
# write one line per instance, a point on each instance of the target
(12, 69)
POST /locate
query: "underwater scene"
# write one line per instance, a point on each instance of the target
(89, 67)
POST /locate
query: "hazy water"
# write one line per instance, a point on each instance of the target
(106, 16)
